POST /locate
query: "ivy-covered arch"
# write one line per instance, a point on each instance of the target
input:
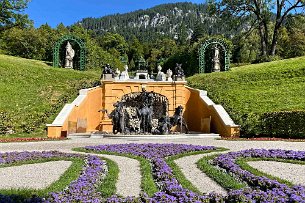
(82, 51)
(202, 51)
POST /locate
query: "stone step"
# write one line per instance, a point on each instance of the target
(171, 136)
(79, 135)
(191, 135)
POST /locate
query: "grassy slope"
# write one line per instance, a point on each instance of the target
(30, 90)
(259, 88)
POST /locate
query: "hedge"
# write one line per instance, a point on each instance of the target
(283, 124)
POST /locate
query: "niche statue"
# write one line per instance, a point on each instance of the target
(70, 53)
(216, 60)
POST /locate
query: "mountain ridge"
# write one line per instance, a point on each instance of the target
(174, 20)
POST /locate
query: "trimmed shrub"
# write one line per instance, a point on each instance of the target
(282, 124)
(287, 124)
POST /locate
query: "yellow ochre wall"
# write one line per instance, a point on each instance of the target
(88, 110)
(203, 117)
(114, 91)
(196, 112)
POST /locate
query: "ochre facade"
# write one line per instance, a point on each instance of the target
(86, 117)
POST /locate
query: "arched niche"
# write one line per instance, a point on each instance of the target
(224, 51)
(80, 52)
(133, 101)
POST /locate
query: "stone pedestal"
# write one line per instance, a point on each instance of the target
(216, 67)
(142, 76)
(107, 77)
(179, 78)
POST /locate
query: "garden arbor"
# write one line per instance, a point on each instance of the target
(204, 56)
(80, 52)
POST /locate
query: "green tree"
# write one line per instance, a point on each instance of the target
(246, 48)
(132, 64)
(262, 11)
(96, 55)
(199, 32)
(135, 51)
(295, 42)
(27, 43)
(155, 55)
(167, 46)
(182, 34)
(62, 30)
(113, 41)
(49, 36)
(11, 14)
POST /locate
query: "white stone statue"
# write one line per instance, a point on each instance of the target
(70, 53)
(216, 60)
(160, 76)
(124, 75)
(117, 74)
(216, 55)
(169, 74)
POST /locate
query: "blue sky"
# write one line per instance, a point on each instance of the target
(70, 11)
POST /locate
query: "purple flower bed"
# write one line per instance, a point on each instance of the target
(170, 189)
(81, 190)
(262, 190)
(84, 189)
(150, 151)
(266, 189)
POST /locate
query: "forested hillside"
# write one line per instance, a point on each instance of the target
(165, 35)
(177, 21)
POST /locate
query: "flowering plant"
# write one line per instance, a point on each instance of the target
(84, 189)
(261, 189)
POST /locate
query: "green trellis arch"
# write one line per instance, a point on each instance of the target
(204, 46)
(70, 38)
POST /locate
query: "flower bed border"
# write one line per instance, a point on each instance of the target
(93, 171)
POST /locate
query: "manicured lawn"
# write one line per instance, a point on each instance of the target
(264, 87)
(32, 93)
(252, 90)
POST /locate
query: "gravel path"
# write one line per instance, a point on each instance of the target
(294, 173)
(129, 181)
(199, 179)
(27, 176)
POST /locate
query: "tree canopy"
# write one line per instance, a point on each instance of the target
(11, 13)
(267, 15)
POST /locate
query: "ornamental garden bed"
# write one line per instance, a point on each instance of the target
(163, 182)
(78, 183)
(29, 139)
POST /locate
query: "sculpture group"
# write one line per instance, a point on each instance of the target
(110, 73)
(141, 115)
